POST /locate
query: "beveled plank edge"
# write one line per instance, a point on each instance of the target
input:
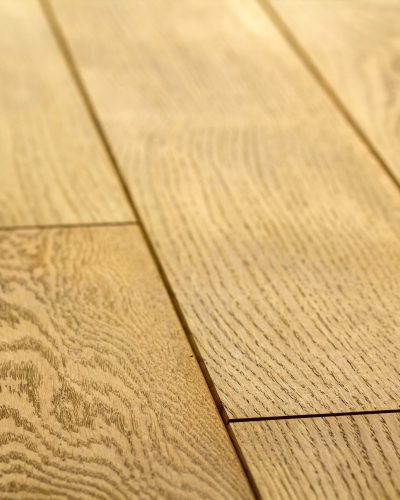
(313, 415)
(243, 461)
(295, 44)
(21, 227)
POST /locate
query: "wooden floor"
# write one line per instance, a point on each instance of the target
(199, 249)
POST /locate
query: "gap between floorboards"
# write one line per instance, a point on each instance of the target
(302, 54)
(67, 225)
(312, 415)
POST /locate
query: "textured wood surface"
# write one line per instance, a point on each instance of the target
(359, 57)
(347, 457)
(276, 228)
(53, 166)
(100, 395)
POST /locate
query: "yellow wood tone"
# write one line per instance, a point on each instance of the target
(346, 457)
(53, 168)
(100, 395)
(277, 229)
(355, 45)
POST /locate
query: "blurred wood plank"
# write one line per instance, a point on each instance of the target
(356, 46)
(347, 457)
(277, 229)
(53, 166)
(100, 395)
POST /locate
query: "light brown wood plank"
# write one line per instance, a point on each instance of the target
(346, 457)
(276, 228)
(53, 168)
(100, 395)
(356, 45)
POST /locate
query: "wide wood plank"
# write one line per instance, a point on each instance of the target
(346, 457)
(53, 168)
(355, 45)
(276, 228)
(100, 395)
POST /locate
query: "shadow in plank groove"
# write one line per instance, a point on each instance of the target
(297, 47)
(315, 415)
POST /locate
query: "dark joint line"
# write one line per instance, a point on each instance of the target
(67, 225)
(312, 415)
(308, 62)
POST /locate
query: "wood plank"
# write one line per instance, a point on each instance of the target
(276, 228)
(347, 457)
(359, 57)
(100, 395)
(53, 166)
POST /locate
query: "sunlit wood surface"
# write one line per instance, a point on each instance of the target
(53, 167)
(277, 228)
(359, 58)
(101, 396)
(336, 457)
(199, 249)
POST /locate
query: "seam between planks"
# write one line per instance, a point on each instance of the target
(308, 62)
(67, 54)
(243, 460)
(312, 415)
(67, 226)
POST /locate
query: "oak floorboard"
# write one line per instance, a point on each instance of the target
(100, 394)
(359, 57)
(53, 167)
(346, 457)
(277, 229)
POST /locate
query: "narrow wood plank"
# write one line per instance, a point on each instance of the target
(100, 395)
(347, 457)
(53, 166)
(356, 47)
(275, 226)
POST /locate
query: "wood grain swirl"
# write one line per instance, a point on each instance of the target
(100, 395)
(347, 457)
(359, 56)
(277, 229)
(53, 166)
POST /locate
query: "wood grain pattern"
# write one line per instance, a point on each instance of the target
(53, 166)
(347, 457)
(359, 57)
(275, 226)
(100, 395)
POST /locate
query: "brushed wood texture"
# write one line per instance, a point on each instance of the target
(100, 395)
(53, 168)
(277, 229)
(346, 457)
(356, 46)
